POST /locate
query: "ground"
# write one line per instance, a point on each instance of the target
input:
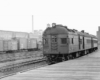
(84, 68)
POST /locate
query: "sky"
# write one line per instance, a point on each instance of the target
(16, 15)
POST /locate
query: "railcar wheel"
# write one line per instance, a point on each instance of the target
(77, 55)
(59, 60)
(70, 56)
(85, 52)
(63, 58)
(73, 56)
(67, 57)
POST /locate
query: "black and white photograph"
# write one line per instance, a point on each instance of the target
(49, 40)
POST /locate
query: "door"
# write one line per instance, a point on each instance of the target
(54, 45)
(83, 43)
(80, 42)
(92, 43)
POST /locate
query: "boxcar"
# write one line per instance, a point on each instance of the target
(12, 45)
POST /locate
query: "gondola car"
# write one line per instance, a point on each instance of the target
(61, 43)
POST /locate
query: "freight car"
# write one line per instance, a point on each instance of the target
(61, 43)
(19, 45)
(11, 41)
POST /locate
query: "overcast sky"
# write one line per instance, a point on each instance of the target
(16, 15)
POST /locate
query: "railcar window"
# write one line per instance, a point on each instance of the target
(72, 41)
(63, 40)
(95, 41)
(88, 41)
(45, 41)
(80, 41)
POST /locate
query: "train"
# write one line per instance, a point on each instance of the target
(11, 42)
(61, 43)
(18, 45)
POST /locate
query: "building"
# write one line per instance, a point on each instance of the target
(98, 36)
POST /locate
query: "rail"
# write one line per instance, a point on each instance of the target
(20, 67)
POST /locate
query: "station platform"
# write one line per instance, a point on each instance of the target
(84, 68)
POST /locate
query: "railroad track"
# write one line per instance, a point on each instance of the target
(21, 67)
(6, 57)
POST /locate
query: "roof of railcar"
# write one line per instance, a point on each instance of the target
(60, 29)
(86, 34)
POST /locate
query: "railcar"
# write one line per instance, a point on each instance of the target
(19, 45)
(18, 41)
(61, 43)
(32, 44)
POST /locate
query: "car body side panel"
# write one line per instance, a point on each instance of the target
(63, 48)
(73, 47)
(88, 44)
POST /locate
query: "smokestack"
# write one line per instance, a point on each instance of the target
(32, 25)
